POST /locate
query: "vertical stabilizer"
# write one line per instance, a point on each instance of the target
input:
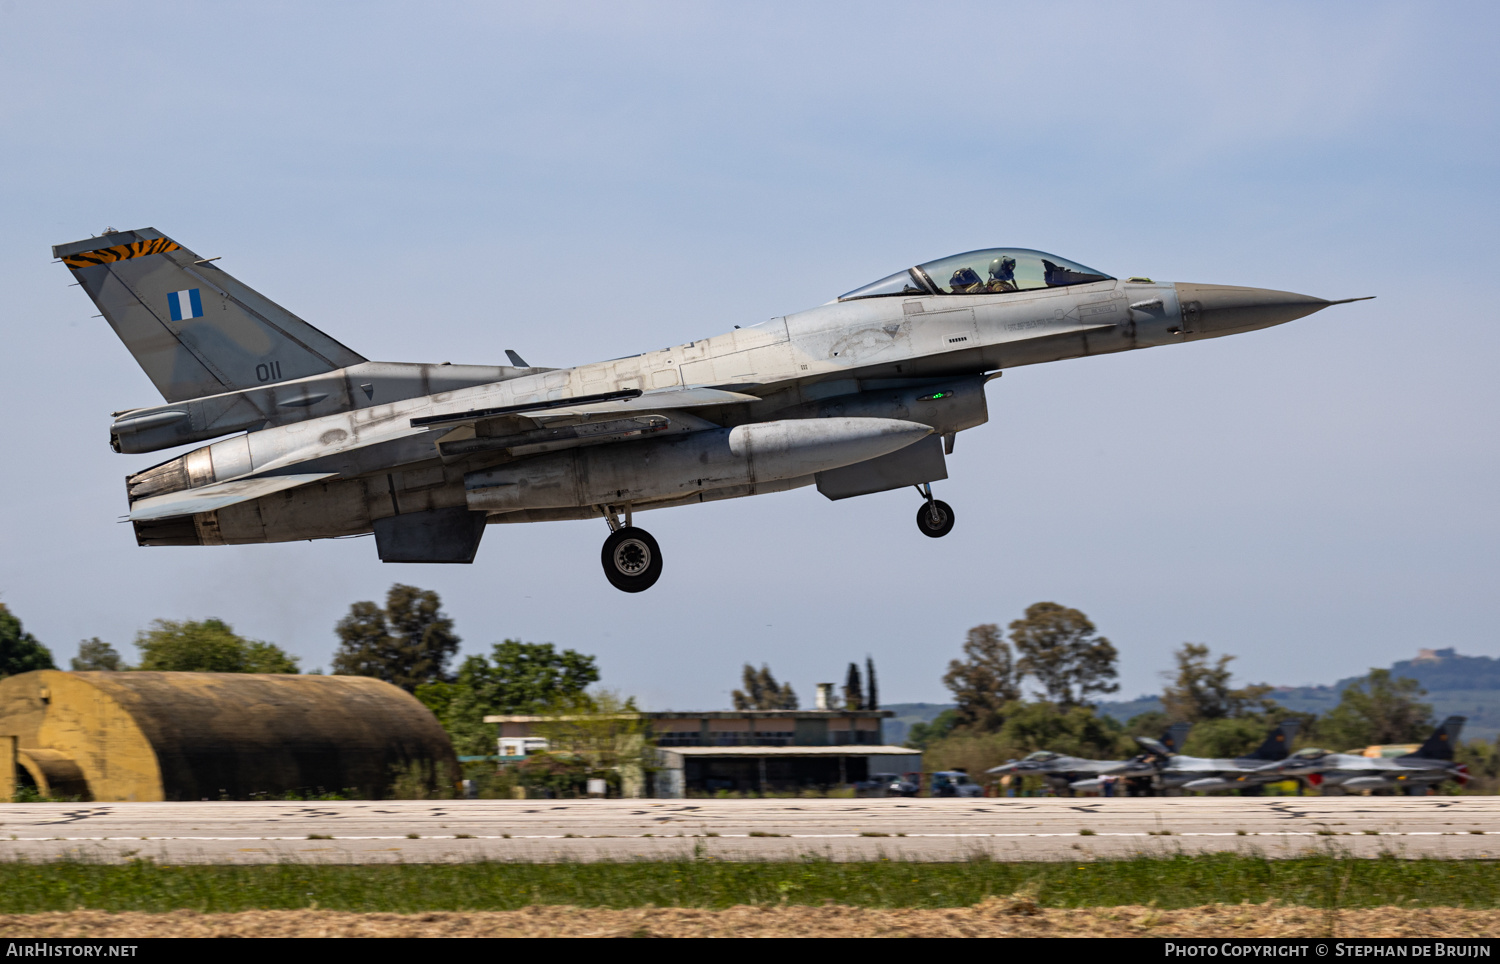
(1176, 736)
(1443, 741)
(1278, 745)
(193, 328)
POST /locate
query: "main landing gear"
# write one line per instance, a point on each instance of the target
(935, 517)
(631, 557)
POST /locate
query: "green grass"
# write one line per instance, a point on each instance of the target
(1168, 882)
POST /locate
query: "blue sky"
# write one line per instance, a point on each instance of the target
(582, 181)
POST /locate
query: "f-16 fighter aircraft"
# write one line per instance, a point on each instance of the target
(863, 394)
(1248, 772)
(1139, 772)
(1073, 773)
(1431, 763)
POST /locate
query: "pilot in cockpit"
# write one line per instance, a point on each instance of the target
(1002, 275)
(965, 280)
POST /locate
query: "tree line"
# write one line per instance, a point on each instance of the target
(409, 642)
(1059, 650)
(762, 692)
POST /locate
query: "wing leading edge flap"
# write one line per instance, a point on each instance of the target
(210, 497)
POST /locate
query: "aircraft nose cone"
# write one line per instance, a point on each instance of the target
(1209, 310)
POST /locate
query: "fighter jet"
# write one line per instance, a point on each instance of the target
(863, 394)
(1432, 763)
(1249, 772)
(1139, 772)
(1072, 773)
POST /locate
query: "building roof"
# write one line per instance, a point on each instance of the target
(699, 715)
(852, 749)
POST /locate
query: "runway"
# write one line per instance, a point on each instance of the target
(409, 831)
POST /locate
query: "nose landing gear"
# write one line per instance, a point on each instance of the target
(935, 517)
(631, 557)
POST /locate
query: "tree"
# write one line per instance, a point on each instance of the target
(854, 689)
(762, 692)
(407, 643)
(610, 737)
(96, 654)
(207, 646)
(872, 696)
(1377, 709)
(1202, 692)
(985, 681)
(19, 650)
(517, 678)
(921, 735)
(1060, 648)
(1076, 730)
(1224, 737)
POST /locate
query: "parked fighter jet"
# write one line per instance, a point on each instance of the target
(860, 395)
(1414, 773)
(1074, 773)
(1249, 772)
(1139, 772)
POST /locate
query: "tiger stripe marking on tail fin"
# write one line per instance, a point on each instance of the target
(120, 252)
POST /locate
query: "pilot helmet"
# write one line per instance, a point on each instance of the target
(964, 276)
(1002, 268)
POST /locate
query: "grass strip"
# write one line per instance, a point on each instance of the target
(1167, 882)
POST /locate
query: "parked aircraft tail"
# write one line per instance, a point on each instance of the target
(1279, 744)
(194, 329)
(1176, 736)
(1441, 744)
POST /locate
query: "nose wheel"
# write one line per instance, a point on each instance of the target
(631, 557)
(935, 517)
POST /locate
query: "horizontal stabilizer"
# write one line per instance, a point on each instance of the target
(628, 400)
(210, 497)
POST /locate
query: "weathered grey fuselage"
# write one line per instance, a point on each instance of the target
(871, 358)
(859, 395)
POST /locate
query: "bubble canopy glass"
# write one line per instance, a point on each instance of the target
(985, 272)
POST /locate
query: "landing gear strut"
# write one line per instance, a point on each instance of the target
(631, 557)
(935, 517)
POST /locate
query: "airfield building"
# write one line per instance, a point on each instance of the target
(748, 750)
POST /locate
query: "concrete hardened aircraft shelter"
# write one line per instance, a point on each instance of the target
(195, 736)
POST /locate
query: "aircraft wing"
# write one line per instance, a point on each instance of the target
(217, 496)
(1197, 764)
(630, 401)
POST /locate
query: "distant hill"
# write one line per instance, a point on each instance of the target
(1456, 686)
(1444, 669)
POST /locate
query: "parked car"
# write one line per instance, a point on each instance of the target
(889, 785)
(954, 783)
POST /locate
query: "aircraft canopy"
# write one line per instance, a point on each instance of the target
(984, 272)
